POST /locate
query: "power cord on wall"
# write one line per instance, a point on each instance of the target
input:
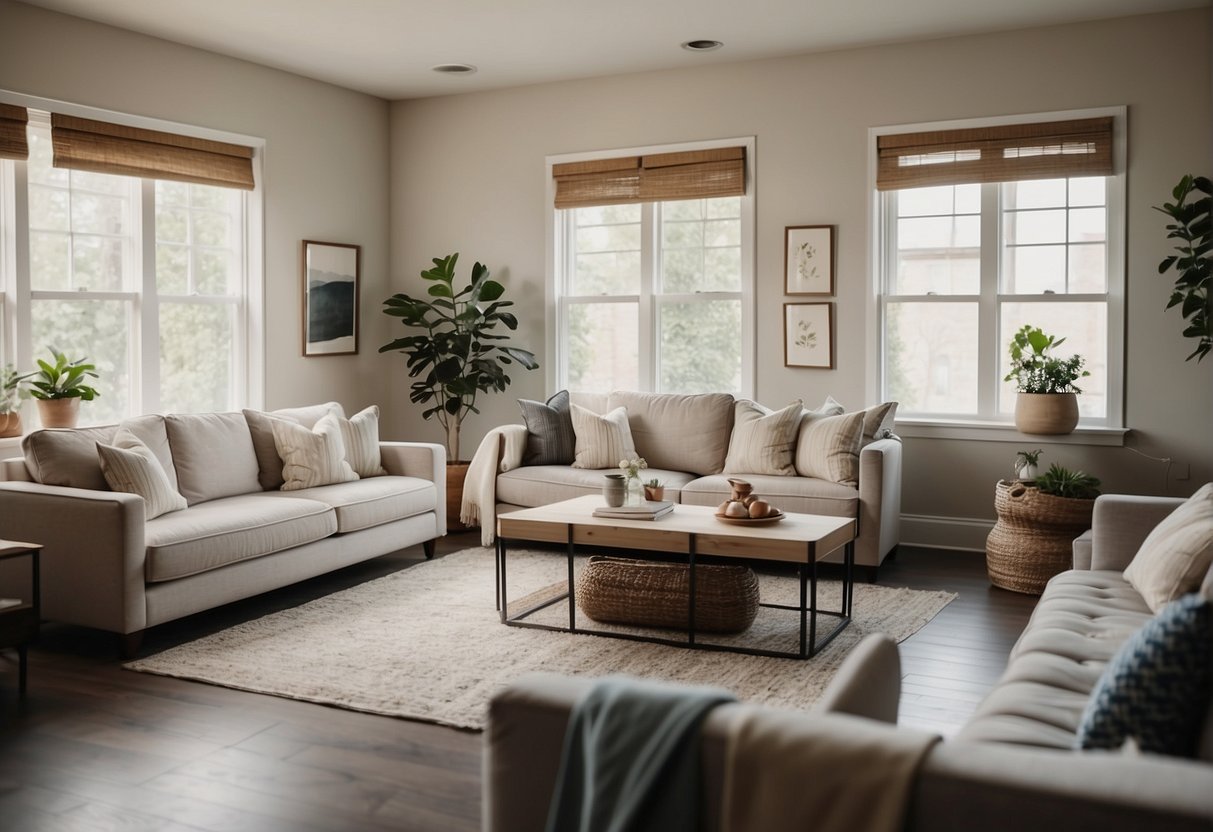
(1166, 476)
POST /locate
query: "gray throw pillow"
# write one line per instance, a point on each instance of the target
(550, 439)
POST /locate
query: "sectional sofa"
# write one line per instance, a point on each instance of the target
(106, 565)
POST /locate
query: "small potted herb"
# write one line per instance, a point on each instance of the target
(1047, 402)
(1025, 464)
(654, 489)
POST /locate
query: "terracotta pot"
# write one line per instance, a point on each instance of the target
(654, 493)
(59, 413)
(1048, 414)
(456, 473)
(10, 423)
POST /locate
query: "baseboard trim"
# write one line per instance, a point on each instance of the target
(967, 534)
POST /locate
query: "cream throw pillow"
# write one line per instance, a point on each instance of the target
(311, 457)
(601, 441)
(360, 434)
(1175, 557)
(828, 447)
(130, 466)
(763, 442)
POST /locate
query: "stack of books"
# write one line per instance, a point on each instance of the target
(648, 510)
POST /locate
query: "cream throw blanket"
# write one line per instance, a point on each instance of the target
(836, 773)
(500, 451)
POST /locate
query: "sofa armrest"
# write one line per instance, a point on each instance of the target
(1120, 523)
(424, 460)
(879, 501)
(868, 682)
(93, 551)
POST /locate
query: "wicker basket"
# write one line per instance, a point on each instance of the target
(654, 594)
(1033, 539)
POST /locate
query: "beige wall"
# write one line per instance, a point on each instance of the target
(326, 158)
(468, 175)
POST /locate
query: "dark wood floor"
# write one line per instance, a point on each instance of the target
(95, 747)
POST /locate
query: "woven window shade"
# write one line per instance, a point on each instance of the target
(1005, 153)
(694, 174)
(13, 144)
(100, 147)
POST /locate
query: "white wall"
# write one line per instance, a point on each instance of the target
(468, 175)
(325, 170)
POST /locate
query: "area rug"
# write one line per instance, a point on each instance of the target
(425, 643)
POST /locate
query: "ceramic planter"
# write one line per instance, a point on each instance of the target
(1046, 414)
(59, 413)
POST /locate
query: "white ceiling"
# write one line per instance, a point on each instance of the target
(386, 47)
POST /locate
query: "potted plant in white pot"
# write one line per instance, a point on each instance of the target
(457, 354)
(60, 387)
(12, 391)
(1047, 401)
(1025, 464)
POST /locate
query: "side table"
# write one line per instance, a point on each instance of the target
(19, 621)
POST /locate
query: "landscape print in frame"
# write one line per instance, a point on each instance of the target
(808, 260)
(808, 338)
(330, 298)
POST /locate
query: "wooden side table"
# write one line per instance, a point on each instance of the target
(19, 621)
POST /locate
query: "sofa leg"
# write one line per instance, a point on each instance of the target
(130, 644)
(428, 546)
(872, 573)
(892, 555)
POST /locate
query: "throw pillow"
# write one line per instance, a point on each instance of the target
(828, 447)
(311, 457)
(360, 435)
(878, 421)
(131, 467)
(1156, 689)
(601, 441)
(762, 441)
(269, 464)
(550, 439)
(1176, 555)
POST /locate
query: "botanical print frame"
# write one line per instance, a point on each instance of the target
(808, 335)
(808, 260)
(331, 281)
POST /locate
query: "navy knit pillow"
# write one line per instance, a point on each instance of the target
(1156, 688)
(550, 439)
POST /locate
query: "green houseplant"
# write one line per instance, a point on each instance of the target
(1025, 464)
(1047, 400)
(12, 391)
(59, 388)
(1073, 485)
(1193, 229)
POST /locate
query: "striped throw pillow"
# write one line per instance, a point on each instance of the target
(601, 441)
(828, 447)
(550, 439)
(360, 434)
(131, 467)
(762, 441)
(311, 457)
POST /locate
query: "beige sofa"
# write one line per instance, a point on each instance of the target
(1011, 767)
(685, 439)
(105, 566)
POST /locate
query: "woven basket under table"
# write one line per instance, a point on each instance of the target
(1033, 539)
(654, 594)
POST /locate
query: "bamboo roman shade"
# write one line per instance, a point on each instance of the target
(692, 174)
(1002, 153)
(101, 147)
(13, 144)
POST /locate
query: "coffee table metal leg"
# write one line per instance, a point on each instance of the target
(802, 573)
(497, 574)
(691, 591)
(849, 558)
(501, 587)
(572, 591)
(813, 607)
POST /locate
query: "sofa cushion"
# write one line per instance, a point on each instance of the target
(828, 447)
(878, 421)
(1176, 555)
(67, 457)
(131, 467)
(601, 441)
(360, 435)
(803, 495)
(213, 455)
(269, 464)
(372, 501)
(311, 457)
(679, 432)
(763, 441)
(1157, 687)
(549, 431)
(539, 485)
(222, 531)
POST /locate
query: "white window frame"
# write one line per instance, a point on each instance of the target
(560, 224)
(15, 326)
(989, 425)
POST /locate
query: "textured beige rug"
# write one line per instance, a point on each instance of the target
(425, 643)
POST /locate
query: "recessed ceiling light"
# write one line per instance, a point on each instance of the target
(454, 69)
(702, 45)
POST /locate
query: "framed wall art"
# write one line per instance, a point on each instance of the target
(808, 260)
(330, 298)
(808, 335)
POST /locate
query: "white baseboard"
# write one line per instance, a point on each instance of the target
(965, 533)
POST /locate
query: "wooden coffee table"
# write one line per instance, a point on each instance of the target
(693, 532)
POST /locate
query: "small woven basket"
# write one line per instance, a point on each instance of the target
(1033, 539)
(654, 594)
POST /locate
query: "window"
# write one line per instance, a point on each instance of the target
(962, 266)
(145, 276)
(655, 295)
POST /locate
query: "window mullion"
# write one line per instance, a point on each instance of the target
(987, 305)
(20, 317)
(147, 308)
(648, 352)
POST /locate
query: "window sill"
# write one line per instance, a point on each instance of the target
(975, 431)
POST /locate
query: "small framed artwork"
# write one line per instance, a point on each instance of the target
(330, 298)
(808, 260)
(808, 335)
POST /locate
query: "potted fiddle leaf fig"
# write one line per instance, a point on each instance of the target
(1047, 401)
(456, 351)
(1193, 292)
(59, 388)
